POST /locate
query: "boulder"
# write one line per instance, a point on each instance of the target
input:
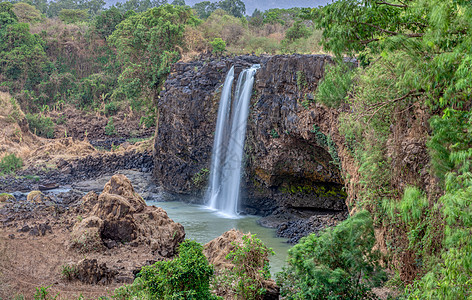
(5, 197)
(120, 185)
(120, 215)
(36, 197)
(156, 229)
(216, 251)
(91, 272)
(86, 235)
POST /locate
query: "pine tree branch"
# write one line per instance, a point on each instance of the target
(378, 106)
(391, 4)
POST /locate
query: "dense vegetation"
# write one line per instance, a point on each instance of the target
(409, 133)
(68, 52)
(406, 124)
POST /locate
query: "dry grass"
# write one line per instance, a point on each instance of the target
(16, 138)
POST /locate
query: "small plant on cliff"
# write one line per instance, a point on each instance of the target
(10, 163)
(110, 128)
(274, 134)
(218, 46)
(68, 272)
(42, 293)
(200, 179)
(187, 276)
(251, 267)
(337, 264)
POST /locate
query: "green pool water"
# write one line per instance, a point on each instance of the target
(202, 225)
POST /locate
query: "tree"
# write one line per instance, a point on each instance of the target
(22, 56)
(337, 264)
(414, 55)
(178, 3)
(26, 13)
(73, 15)
(106, 22)
(236, 8)
(204, 9)
(147, 46)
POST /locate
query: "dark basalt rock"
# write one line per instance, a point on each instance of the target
(286, 164)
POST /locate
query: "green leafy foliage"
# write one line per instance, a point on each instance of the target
(26, 13)
(110, 127)
(147, 47)
(218, 46)
(106, 22)
(340, 263)
(333, 89)
(42, 293)
(187, 276)
(297, 31)
(73, 15)
(414, 56)
(236, 8)
(41, 125)
(251, 267)
(22, 55)
(10, 163)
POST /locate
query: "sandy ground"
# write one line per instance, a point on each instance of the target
(28, 261)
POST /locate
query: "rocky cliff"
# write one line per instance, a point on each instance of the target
(290, 158)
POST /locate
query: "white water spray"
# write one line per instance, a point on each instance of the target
(228, 147)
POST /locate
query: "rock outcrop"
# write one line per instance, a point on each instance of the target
(288, 153)
(120, 215)
(216, 251)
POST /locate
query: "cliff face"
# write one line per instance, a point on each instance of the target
(289, 153)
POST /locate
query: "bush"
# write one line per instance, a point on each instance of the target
(187, 276)
(251, 269)
(297, 31)
(41, 125)
(218, 46)
(336, 84)
(110, 128)
(10, 163)
(337, 264)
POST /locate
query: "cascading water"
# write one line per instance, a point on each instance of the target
(228, 146)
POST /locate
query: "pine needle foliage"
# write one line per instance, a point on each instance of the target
(340, 263)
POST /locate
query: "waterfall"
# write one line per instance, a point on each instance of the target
(228, 146)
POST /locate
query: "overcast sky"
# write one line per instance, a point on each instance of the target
(267, 4)
(261, 5)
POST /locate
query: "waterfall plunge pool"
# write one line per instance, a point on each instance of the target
(203, 224)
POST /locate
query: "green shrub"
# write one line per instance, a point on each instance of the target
(110, 108)
(149, 120)
(110, 127)
(10, 163)
(337, 264)
(187, 276)
(297, 31)
(42, 293)
(218, 46)
(41, 125)
(251, 267)
(335, 85)
(68, 272)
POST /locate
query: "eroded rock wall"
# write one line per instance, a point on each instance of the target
(287, 162)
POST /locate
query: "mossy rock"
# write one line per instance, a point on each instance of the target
(4, 197)
(36, 197)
